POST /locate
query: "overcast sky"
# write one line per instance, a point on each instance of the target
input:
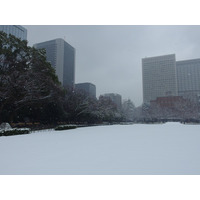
(110, 56)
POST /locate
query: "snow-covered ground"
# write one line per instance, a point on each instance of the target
(170, 148)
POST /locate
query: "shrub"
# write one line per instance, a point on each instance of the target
(65, 127)
(15, 131)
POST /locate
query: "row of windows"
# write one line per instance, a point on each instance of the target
(14, 30)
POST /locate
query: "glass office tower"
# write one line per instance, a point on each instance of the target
(61, 55)
(188, 78)
(16, 30)
(159, 77)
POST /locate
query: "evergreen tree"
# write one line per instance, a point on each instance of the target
(27, 80)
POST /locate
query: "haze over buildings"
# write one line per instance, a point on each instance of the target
(113, 53)
(110, 56)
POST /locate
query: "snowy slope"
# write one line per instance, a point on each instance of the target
(170, 148)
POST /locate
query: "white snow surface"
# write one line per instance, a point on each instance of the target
(171, 148)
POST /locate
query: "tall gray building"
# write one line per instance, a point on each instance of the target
(61, 55)
(16, 30)
(88, 88)
(159, 77)
(188, 78)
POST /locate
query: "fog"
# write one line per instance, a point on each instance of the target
(110, 56)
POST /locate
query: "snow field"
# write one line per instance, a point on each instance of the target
(171, 148)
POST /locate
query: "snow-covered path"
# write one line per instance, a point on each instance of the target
(170, 148)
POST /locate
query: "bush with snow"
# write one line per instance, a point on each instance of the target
(5, 126)
(65, 127)
(14, 131)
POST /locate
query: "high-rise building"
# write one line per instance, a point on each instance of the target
(159, 77)
(115, 98)
(61, 55)
(16, 30)
(87, 88)
(188, 78)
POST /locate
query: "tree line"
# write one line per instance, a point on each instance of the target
(31, 92)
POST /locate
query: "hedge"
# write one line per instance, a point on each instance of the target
(15, 131)
(65, 127)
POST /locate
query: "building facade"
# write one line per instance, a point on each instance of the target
(188, 78)
(87, 88)
(16, 30)
(61, 55)
(159, 77)
(115, 98)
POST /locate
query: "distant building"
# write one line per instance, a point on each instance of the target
(16, 30)
(159, 77)
(88, 88)
(115, 98)
(188, 78)
(61, 55)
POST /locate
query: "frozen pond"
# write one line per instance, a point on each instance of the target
(171, 148)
